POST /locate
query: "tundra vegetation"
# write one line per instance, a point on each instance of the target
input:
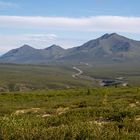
(48, 103)
(73, 114)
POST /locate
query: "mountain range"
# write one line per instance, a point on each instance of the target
(107, 48)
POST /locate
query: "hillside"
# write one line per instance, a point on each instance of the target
(29, 55)
(107, 48)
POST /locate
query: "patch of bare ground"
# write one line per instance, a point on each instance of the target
(132, 105)
(58, 111)
(61, 110)
(30, 110)
(137, 118)
(41, 112)
(135, 104)
(46, 115)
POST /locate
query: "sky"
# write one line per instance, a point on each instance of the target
(68, 23)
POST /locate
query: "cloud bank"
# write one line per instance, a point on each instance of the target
(88, 24)
(8, 42)
(16, 26)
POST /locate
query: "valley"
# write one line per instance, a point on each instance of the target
(15, 77)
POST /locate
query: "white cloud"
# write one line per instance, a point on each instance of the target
(39, 41)
(88, 24)
(51, 24)
(7, 4)
(42, 37)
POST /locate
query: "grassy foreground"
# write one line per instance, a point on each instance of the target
(74, 114)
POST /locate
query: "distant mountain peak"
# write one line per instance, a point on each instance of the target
(54, 46)
(114, 34)
(106, 36)
(26, 46)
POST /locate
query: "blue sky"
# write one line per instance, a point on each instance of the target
(68, 23)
